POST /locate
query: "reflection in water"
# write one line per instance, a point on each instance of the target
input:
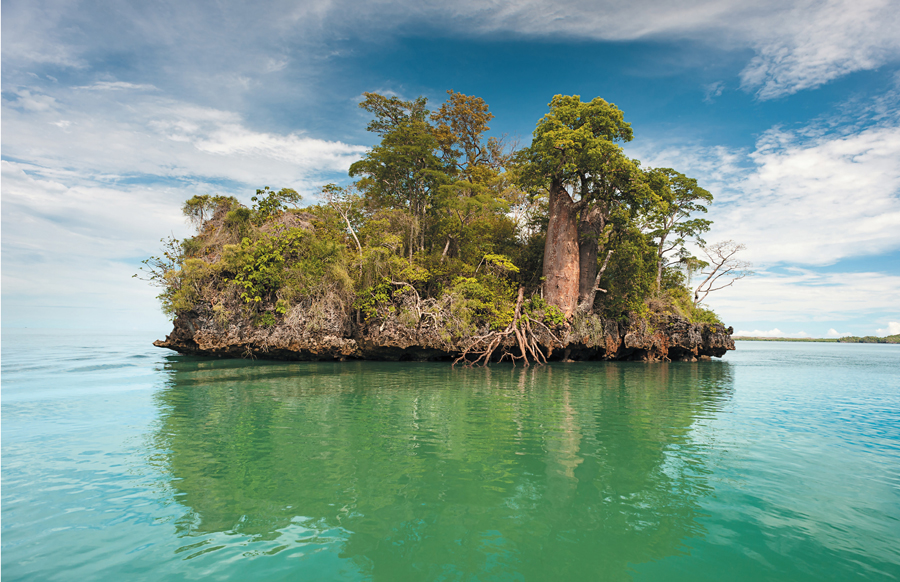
(420, 471)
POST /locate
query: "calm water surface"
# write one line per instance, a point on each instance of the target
(122, 461)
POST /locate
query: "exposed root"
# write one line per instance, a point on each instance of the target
(484, 346)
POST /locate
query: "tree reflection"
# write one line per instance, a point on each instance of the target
(428, 472)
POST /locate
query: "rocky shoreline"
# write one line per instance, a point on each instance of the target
(658, 337)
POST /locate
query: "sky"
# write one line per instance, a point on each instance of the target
(115, 112)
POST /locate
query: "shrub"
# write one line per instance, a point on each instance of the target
(490, 299)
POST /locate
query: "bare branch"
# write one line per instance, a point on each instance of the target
(722, 263)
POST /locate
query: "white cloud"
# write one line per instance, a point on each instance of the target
(808, 196)
(817, 41)
(801, 295)
(117, 86)
(835, 333)
(798, 44)
(770, 333)
(893, 328)
(31, 34)
(73, 247)
(713, 90)
(33, 101)
(275, 65)
(85, 198)
(108, 136)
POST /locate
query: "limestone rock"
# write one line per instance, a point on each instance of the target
(655, 338)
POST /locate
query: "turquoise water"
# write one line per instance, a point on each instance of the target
(124, 461)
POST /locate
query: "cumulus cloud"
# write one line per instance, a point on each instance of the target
(822, 199)
(30, 101)
(92, 183)
(893, 328)
(802, 295)
(835, 333)
(809, 196)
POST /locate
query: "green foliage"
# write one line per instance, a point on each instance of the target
(198, 209)
(499, 265)
(489, 299)
(680, 198)
(550, 315)
(190, 247)
(444, 271)
(268, 203)
(574, 144)
(238, 220)
(155, 269)
(702, 315)
(414, 274)
(631, 275)
(189, 284)
(675, 298)
(266, 319)
(290, 260)
(669, 223)
(369, 299)
(404, 171)
(529, 258)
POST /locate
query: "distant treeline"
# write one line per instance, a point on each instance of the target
(870, 339)
(783, 339)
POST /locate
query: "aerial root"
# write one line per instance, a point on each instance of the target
(484, 346)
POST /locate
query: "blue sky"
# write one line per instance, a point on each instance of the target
(113, 113)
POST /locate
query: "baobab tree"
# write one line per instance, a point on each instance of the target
(586, 175)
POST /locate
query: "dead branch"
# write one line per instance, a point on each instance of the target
(418, 298)
(588, 302)
(722, 263)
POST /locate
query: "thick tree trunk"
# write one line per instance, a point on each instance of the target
(561, 262)
(590, 225)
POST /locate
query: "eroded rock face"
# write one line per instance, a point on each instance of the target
(657, 338)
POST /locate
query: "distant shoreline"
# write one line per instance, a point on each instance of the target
(783, 339)
(891, 339)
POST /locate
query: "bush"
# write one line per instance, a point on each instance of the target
(189, 285)
(282, 266)
(550, 315)
(490, 299)
(702, 315)
(630, 277)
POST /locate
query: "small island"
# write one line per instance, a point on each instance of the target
(453, 246)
